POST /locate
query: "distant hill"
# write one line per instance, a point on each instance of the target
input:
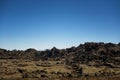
(100, 53)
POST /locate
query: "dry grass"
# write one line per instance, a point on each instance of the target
(48, 70)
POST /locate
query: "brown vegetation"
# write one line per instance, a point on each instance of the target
(89, 61)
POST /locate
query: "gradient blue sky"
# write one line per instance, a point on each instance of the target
(42, 24)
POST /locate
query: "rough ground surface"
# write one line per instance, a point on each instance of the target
(89, 61)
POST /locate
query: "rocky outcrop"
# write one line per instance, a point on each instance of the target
(101, 53)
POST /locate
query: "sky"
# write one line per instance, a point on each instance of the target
(42, 24)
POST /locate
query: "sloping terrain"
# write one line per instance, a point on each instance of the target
(89, 61)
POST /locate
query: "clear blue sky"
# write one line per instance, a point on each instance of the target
(42, 24)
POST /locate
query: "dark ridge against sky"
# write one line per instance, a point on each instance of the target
(42, 24)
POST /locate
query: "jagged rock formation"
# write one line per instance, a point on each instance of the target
(100, 53)
(86, 60)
